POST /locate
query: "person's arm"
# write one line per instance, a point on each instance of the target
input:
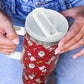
(8, 37)
(75, 36)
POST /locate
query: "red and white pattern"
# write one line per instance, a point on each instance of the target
(38, 61)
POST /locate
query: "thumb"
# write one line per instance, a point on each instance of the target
(68, 13)
(12, 35)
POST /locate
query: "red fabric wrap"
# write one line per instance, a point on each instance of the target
(38, 61)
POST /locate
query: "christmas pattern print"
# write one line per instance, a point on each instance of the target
(38, 61)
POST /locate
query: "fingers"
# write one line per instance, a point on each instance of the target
(6, 45)
(72, 32)
(72, 37)
(76, 41)
(6, 26)
(74, 12)
(76, 45)
(8, 37)
(12, 35)
(68, 13)
(6, 49)
(7, 52)
(5, 41)
(78, 54)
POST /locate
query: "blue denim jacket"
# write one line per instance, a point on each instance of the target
(21, 8)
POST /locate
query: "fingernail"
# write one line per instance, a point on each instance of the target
(57, 51)
(60, 44)
(16, 41)
(74, 57)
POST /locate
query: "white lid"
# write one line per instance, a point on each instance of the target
(46, 25)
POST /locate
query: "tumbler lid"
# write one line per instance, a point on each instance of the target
(46, 25)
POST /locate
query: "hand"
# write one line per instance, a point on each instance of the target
(8, 37)
(75, 36)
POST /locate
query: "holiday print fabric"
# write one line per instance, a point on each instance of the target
(38, 61)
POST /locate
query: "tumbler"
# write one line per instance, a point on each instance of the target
(44, 28)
